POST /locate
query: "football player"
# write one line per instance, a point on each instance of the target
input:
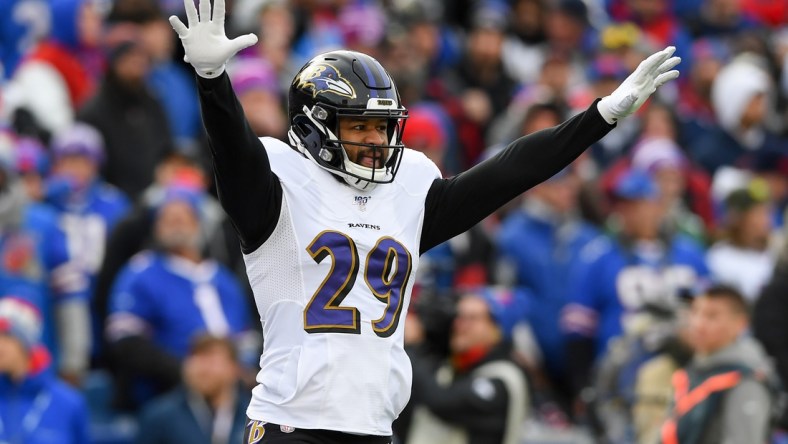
(332, 223)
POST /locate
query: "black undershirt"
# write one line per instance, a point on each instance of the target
(251, 194)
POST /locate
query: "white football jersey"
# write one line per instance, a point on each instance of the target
(332, 285)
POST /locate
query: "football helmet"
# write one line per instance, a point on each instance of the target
(345, 84)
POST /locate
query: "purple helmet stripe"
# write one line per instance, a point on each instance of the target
(371, 79)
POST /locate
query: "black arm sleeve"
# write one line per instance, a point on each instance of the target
(456, 204)
(248, 190)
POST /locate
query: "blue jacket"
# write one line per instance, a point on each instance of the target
(543, 254)
(614, 280)
(173, 419)
(42, 410)
(175, 89)
(176, 301)
(87, 218)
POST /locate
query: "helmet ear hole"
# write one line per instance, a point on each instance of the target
(313, 140)
(306, 131)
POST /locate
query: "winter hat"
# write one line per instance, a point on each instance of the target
(733, 89)
(252, 74)
(635, 185)
(79, 140)
(362, 24)
(507, 306)
(21, 320)
(575, 9)
(492, 15)
(424, 130)
(653, 154)
(190, 196)
(620, 35)
(743, 199)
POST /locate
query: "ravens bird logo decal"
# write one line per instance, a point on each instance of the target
(324, 78)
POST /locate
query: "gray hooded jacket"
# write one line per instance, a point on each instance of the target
(745, 414)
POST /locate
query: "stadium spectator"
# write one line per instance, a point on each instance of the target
(723, 118)
(694, 107)
(131, 120)
(743, 258)
(135, 232)
(653, 394)
(277, 24)
(36, 265)
(479, 395)
(683, 189)
(720, 18)
(631, 388)
(35, 408)
(165, 297)
(639, 264)
(569, 31)
(88, 207)
(211, 398)
(739, 96)
(60, 73)
(657, 23)
(169, 82)
(723, 395)
(487, 87)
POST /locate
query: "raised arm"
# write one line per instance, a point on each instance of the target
(248, 190)
(454, 205)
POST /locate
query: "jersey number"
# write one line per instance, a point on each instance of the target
(388, 267)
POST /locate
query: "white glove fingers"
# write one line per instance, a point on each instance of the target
(191, 12)
(669, 64)
(205, 11)
(242, 42)
(665, 77)
(178, 26)
(218, 12)
(653, 61)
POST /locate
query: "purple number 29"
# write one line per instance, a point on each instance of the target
(387, 273)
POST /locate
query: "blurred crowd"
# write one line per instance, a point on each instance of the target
(638, 296)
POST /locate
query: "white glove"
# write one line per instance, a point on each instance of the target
(207, 47)
(636, 89)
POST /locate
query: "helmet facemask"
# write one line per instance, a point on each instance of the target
(333, 156)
